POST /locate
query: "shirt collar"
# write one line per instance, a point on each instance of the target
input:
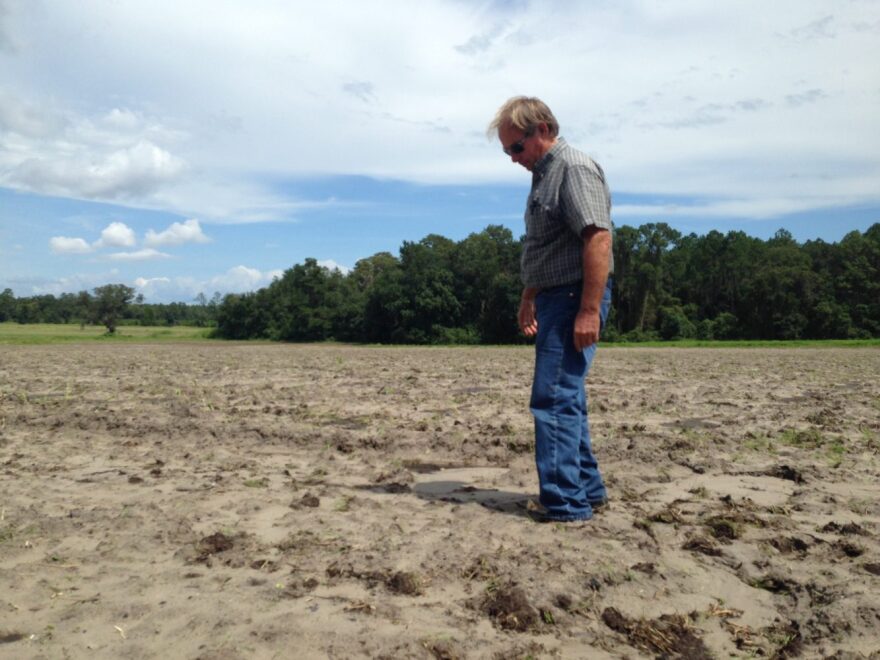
(543, 165)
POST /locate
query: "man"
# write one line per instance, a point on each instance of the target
(565, 269)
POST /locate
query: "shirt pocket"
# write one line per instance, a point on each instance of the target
(541, 219)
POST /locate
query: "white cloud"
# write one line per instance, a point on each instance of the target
(240, 279)
(178, 233)
(94, 172)
(406, 92)
(116, 234)
(753, 209)
(67, 284)
(143, 282)
(65, 245)
(147, 254)
(332, 265)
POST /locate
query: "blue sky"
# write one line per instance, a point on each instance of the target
(187, 147)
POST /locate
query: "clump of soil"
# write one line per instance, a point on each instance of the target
(849, 549)
(792, 641)
(668, 516)
(702, 545)
(847, 529)
(306, 501)
(214, 544)
(789, 545)
(232, 551)
(481, 568)
(510, 609)
(786, 472)
(668, 635)
(402, 582)
(775, 584)
(446, 649)
(723, 529)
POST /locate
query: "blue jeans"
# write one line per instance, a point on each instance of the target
(568, 472)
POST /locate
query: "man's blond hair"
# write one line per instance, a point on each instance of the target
(524, 113)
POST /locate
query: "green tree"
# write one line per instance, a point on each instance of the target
(7, 305)
(310, 303)
(487, 284)
(640, 264)
(430, 305)
(110, 304)
(379, 278)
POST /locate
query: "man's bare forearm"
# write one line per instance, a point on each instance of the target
(597, 259)
(528, 323)
(529, 293)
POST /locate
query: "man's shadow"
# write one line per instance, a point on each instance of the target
(459, 492)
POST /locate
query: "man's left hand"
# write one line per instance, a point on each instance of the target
(586, 329)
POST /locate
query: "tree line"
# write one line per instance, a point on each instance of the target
(110, 305)
(666, 286)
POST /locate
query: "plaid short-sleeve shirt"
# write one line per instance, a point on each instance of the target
(568, 194)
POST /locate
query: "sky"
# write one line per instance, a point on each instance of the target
(205, 146)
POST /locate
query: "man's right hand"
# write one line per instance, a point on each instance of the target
(526, 316)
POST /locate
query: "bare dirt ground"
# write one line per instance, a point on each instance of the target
(223, 501)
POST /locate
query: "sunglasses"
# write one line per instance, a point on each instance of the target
(518, 147)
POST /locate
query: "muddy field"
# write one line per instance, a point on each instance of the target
(224, 501)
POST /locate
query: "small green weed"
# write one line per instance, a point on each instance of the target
(803, 438)
(836, 452)
(760, 443)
